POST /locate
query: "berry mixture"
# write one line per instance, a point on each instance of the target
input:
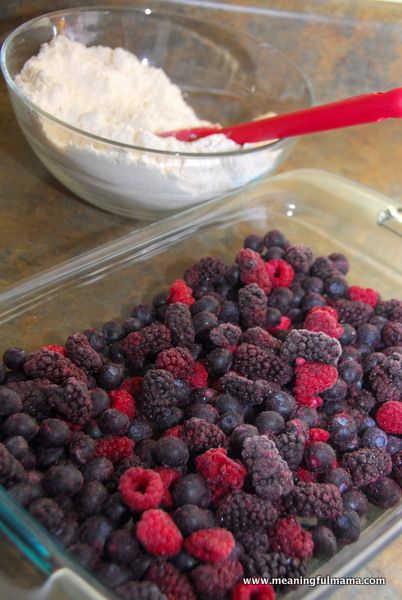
(236, 427)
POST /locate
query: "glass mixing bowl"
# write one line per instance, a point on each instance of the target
(225, 76)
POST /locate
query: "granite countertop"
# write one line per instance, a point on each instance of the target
(345, 48)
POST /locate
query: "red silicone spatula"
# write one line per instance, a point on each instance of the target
(356, 110)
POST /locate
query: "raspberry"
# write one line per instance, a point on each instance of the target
(353, 312)
(313, 347)
(178, 320)
(322, 321)
(158, 533)
(273, 565)
(280, 272)
(253, 591)
(270, 474)
(222, 473)
(168, 476)
(306, 475)
(310, 401)
(321, 500)
(172, 431)
(180, 292)
(141, 345)
(283, 325)
(318, 435)
(157, 393)
(81, 353)
(260, 337)
(390, 309)
(214, 582)
(386, 379)
(300, 258)
(247, 391)
(73, 402)
(255, 363)
(392, 333)
(389, 417)
(141, 489)
(313, 378)
(177, 361)
(252, 305)
(199, 435)
(199, 376)
(225, 335)
(11, 469)
(240, 512)
(55, 348)
(290, 538)
(366, 465)
(123, 401)
(290, 446)
(171, 581)
(132, 385)
(139, 590)
(114, 448)
(205, 274)
(52, 366)
(366, 295)
(253, 270)
(210, 545)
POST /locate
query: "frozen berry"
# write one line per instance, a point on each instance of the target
(100, 401)
(141, 489)
(63, 480)
(139, 429)
(324, 540)
(282, 403)
(384, 493)
(20, 424)
(115, 511)
(158, 533)
(53, 432)
(191, 489)
(270, 422)
(111, 376)
(319, 456)
(114, 422)
(229, 421)
(10, 402)
(339, 477)
(90, 499)
(98, 469)
(347, 527)
(374, 437)
(170, 451)
(355, 500)
(121, 547)
(190, 517)
(95, 531)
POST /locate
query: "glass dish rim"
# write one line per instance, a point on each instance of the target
(120, 145)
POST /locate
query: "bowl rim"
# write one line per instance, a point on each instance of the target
(148, 11)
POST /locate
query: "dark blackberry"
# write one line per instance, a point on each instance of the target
(121, 547)
(355, 500)
(239, 435)
(213, 582)
(261, 338)
(190, 517)
(312, 284)
(90, 499)
(114, 422)
(229, 421)
(219, 361)
(300, 257)
(255, 363)
(321, 500)
(247, 391)
(347, 527)
(171, 581)
(252, 305)
(20, 424)
(52, 366)
(191, 489)
(281, 298)
(318, 456)
(390, 309)
(273, 565)
(208, 303)
(252, 540)
(115, 511)
(95, 531)
(170, 452)
(34, 395)
(205, 274)
(48, 513)
(353, 312)
(139, 590)
(339, 477)
(374, 437)
(240, 512)
(282, 403)
(157, 393)
(14, 358)
(270, 475)
(270, 422)
(73, 402)
(53, 432)
(63, 480)
(290, 446)
(391, 334)
(199, 436)
(111, 376)
(312, 300)
(139, 429)
(361, 400)
(386, 379)
(384, 492)
(323, 267)
(97, 469)
(10, 402)
(202, 411)
(366, 465)
(313, 347)
(372, 360)
(146, 344)
(81, 353)
(324, 541)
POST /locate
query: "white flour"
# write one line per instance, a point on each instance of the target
(110, 93)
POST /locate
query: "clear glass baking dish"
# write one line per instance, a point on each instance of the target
(324, 210)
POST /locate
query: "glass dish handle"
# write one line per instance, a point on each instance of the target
(391, 218)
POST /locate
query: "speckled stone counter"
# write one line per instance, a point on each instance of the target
(345, 48)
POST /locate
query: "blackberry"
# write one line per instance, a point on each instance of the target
(300, 257)
(190, 517)
(178, 320)
(53, 432)
(157, 393)
(270, 475)
(353, 312)
(171, 581)
(90, 499)
(242, 512)
(386, 379)
(73, 402)
(10, 402)
(205, 275)
(247, 391)
(95, 531)
(323, 267)
(121, 547)
(81, 353)
(252, 540)
(63, 480)
(170, 452)
(290, 446)
(48, 513)
(252, 305)
(362, 400)
(11, 470)
(321, 500)
(225, 335)
(324, 540)
(199, 436)
(313, 347)
(384, 492)
(191, 489)
(273, 565)
(52, 366)
(214, 582)
(270, 422)
(111, 376)
(367, 465)
(255, 363)
(178, 361)
(34, 395)
(97, 469)
(390, 309)
(139, 590)
(20, 424)
(355, 500)
(145, 344)
(261, 338)
(347, 527)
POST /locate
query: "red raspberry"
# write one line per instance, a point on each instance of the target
(173, 431)
(158, 533)
(114, 448)
(141, 489)
(210, 545)
(168, 476)
(123, 401)
(132, 385)
(177, 361)
(328, 309)
(284, 324)
(290, 537)
(222, 473)
(389, 417)
(55, 348)
(180, 292)
(321, 320)
(313, 378)
(199, 376)
(280, 272)
(311, 401)
(253, 591)
(253, 270)
(316, 434)
(366, 295)
(306, 475)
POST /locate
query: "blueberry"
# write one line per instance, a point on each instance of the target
(131, 324)
(324, 540)
(219, 361)
(394, 444)
(53, 432)
(206, 304)
(351, 353)
(313, 284)
(254, 242)
(342, 427)
(366, 423)
(336, 393)
(116, 352)
(202, 411)
(203, 395)
(355, 500)
(319, 456)
(113, 422)
(282, 403)
(190, 517)
(87, 556)
(95, 531)
(335, 287)
(141, 565)
(100, 401)
(307, 414)
(14, 358)
(20, 424)
(191, 489)
(111, 376)
(112, 574)
(139, 429)
(25, 493)
(93, 430)
(339, 477)
(96, 339)
(99, 469)
(203, 322)
(281, 298)
(274, 252)
(274, 237)
(229, 312)
(121, 547)
(116, 512)
(347, 527)
(229, 421)
(63, 480)
(171, 416)
(372, 360)
(10, 402)
(369, 334)
(17, 446)
(348, 336)
(226, 403)
(384, 492)
(113, 331)
(273, 317)
(81, 448)
(182, 392)
(269, 421)
(184, 562)
(239, 435)
(340, 261)
(311, 300)
(298, 295)
(350, 371)
(378, 321)
(374, 437)
(46, 457)
(90, 499)
(145, 313)
(170, 451)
